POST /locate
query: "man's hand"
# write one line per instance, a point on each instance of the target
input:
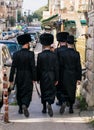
(38, 82)
(34, 81)
(78, 82)
(11, 84)
(10, 87)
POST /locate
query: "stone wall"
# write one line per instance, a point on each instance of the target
(90, 61)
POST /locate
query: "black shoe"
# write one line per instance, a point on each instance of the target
(44, 108)
(71, 110)
(58, 103)
(62, 109)
(20, 111)
(44, 111)
(50, 111)
(25, 111)
(67, 104)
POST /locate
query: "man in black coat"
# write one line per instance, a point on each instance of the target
(71, 68)
(61, 38)
(23, 66)
(47, 72)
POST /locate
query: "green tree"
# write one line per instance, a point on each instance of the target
(19, 16)
(29, 18)
(12, 21)
(39, 13)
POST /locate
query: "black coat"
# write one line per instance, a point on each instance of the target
(24, 66)
(60, 51)
(71, 72)
(47, 74)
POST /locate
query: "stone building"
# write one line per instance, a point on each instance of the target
(89, 88)
(8, 8)
(67, 10)
(80, 5)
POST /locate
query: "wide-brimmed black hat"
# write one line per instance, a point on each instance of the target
(62, 36)
(71, 39)
(46, 39)
(23, 39)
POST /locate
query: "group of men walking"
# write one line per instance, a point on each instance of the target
(57, 72)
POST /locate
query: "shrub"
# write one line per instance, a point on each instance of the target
(82, 103)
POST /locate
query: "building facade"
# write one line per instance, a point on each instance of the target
(80, 5)
(8, 8)
(69, 10)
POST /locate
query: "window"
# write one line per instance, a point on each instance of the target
(2, 3)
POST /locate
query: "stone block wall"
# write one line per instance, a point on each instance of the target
(90, 61)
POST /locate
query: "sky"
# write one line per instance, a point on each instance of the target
(33, 5)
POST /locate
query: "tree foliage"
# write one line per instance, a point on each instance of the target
(19, 16)
(39, 13)
(29, 17)
(12, 21)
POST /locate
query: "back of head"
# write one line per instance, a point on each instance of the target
(71, 39)
(62, 36)
(46, 39)
(23, 39)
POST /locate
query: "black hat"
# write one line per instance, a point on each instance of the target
(62, 36)
(71, 39)
(23, 39)
(46, 39)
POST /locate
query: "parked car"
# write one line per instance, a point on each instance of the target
(4, 36)
(16, 32)
(10, 34)
(5, 60)
(12, 46)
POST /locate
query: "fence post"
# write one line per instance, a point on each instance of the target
(5, 97)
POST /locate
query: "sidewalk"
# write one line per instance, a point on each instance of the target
(39, 121)
(87, 115)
